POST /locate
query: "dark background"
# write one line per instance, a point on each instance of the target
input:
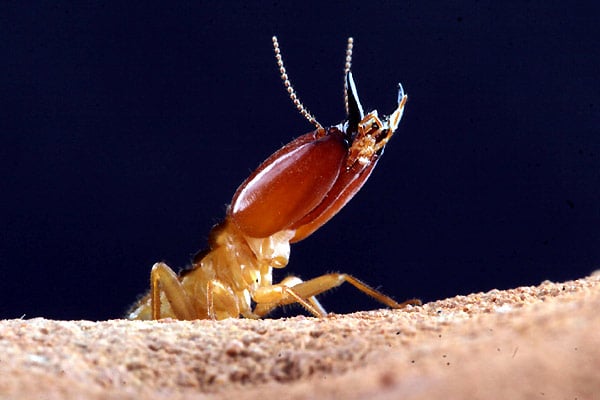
(126, 130)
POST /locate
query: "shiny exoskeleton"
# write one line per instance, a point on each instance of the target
(288, 197)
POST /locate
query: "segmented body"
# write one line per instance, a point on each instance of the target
(237, 267)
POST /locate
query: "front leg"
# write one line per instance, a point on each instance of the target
(278, 295)
(281, 290)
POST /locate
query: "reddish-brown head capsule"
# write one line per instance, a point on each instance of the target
(288, 185)
(305, 183)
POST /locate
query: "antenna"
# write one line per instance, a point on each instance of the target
(290, 89)
(347, 67)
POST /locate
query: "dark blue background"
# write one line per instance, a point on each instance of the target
(126, 129)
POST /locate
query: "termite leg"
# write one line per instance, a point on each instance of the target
(302, 291)
(311, 304)
(326, 282)
(164, 280)
(220, 300)
(292, 281)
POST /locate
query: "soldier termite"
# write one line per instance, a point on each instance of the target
(288, 197)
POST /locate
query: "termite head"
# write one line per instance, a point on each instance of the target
(305, 183)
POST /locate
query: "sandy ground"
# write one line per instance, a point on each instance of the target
(526, 343)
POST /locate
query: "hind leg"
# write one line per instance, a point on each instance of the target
(164, 280)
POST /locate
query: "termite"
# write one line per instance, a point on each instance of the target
(288, 197)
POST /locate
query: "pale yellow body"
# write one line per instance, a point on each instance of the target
(236, 273)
